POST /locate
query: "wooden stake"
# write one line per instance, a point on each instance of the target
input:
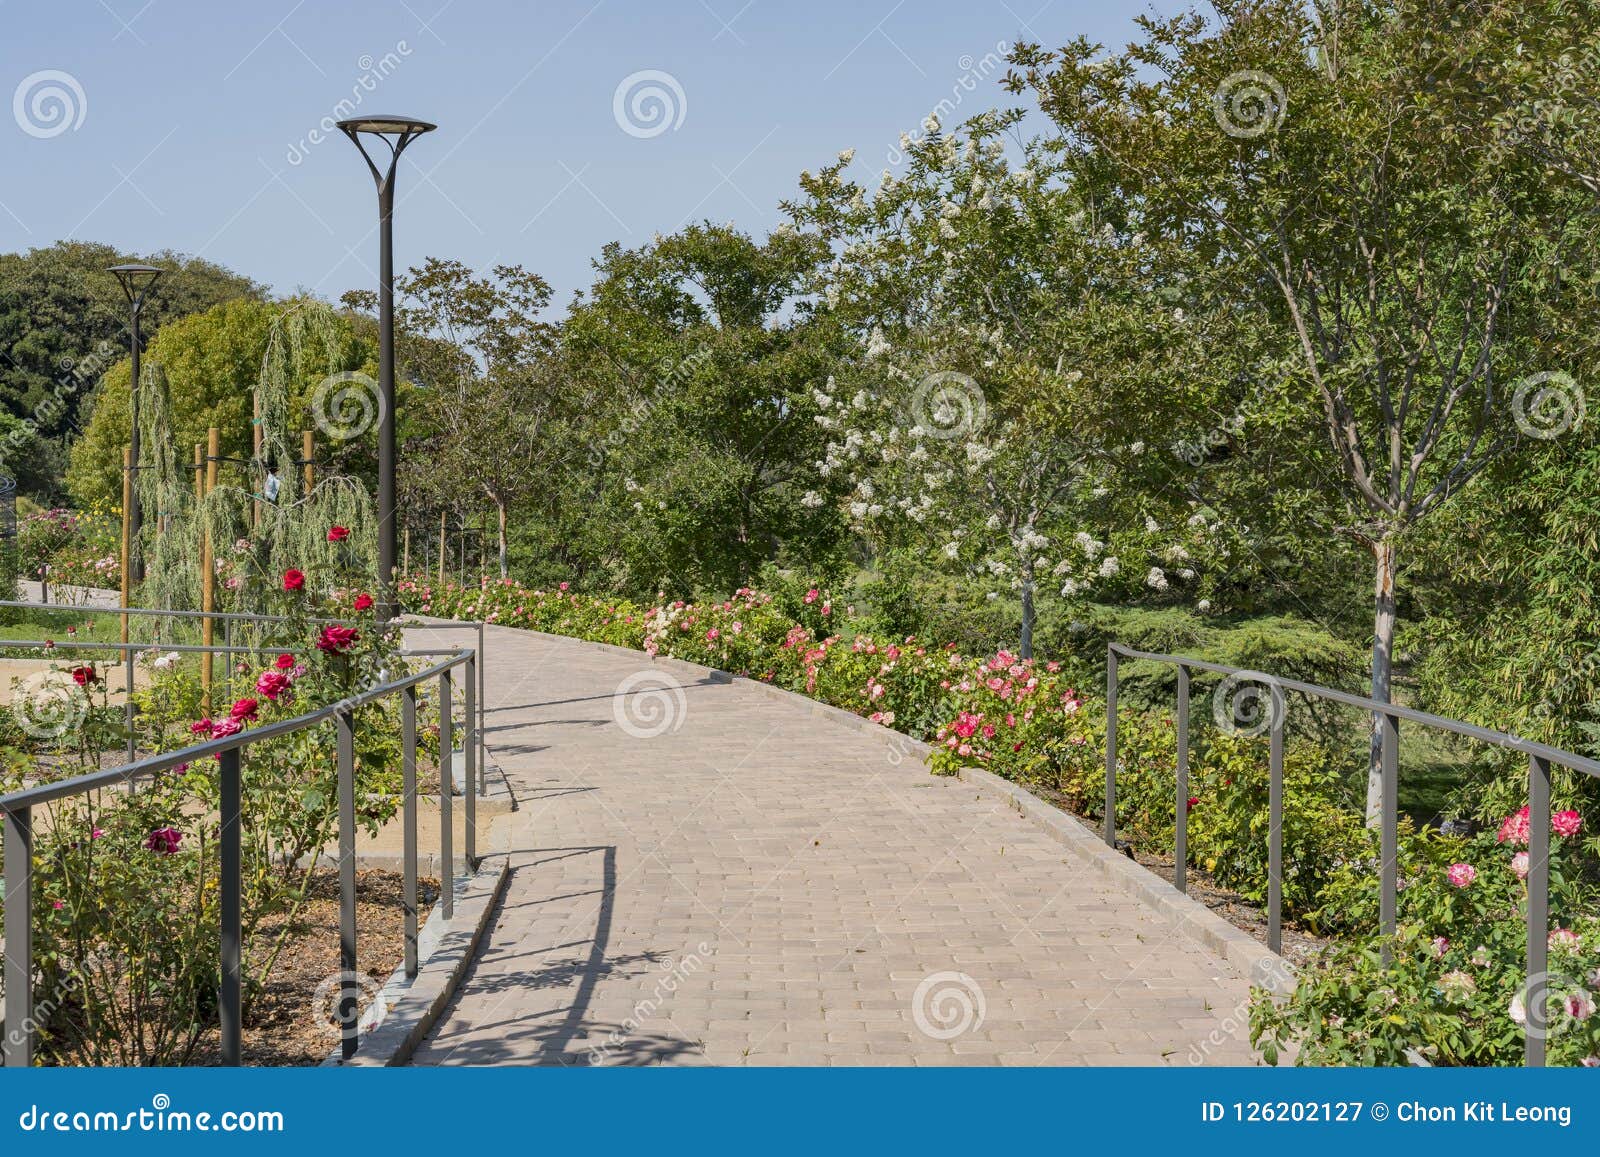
(208, 570)
(405, 553)
(127, 534)
(308, 451)
(444, 546)
(199, 476)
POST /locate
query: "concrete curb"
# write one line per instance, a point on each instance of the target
(446, 949)
(1193, 919)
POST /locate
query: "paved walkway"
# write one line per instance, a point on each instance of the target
(754, 885)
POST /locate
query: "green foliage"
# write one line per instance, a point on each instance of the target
(63, 323)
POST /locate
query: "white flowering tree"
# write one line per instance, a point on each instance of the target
(968, 278)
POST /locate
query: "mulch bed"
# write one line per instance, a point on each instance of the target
(287, 1024)
(291, 1022)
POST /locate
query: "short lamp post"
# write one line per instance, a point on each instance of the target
(137, 281)
(396, 133)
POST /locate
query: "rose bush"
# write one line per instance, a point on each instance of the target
(126, 901)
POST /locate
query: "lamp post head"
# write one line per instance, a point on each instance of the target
(396, 132)
(136, 280)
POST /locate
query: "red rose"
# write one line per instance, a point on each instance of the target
(83, 676)
(363, 601)
(164, 840)
(293, 580)
(338, 533)
(243, 709)
(336, 640)
(201, 727)
(284, 662)
(272, 684)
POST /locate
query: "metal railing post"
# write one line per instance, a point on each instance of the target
(483, 751)
(1275, 826)
(1180, 843)
(1111, 745)
(408, 772)
(469, 754)
(447, 777)
(127, 675)
(230, 885)
(18, 1044)
(1389, 849)
(349, 998)
(1535, 996)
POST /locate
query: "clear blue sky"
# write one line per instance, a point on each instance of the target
(188, 122)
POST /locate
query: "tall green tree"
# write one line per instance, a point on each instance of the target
(487, 410)
(64, 322)
(1330, 164)
(696, 355)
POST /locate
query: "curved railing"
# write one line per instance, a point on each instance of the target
(1541, 757)
(16, 808)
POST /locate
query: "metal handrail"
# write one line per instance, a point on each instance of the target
(231, 616)
(16, 808)
(1387, 716)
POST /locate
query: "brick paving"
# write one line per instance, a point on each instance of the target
(755, 885)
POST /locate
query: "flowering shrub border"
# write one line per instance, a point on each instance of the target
(1453, 991)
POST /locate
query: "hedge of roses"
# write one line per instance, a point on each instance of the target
(126, 900)
(1452, 992)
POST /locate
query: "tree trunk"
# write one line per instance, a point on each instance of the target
(505, 568)
(1383, 554)
(1026, 649)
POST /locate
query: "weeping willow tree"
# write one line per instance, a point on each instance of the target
(256, 539)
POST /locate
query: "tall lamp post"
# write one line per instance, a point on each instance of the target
(137, 281)
(396, 133)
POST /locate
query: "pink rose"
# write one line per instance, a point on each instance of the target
(1461, 875)
(1566, 823)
